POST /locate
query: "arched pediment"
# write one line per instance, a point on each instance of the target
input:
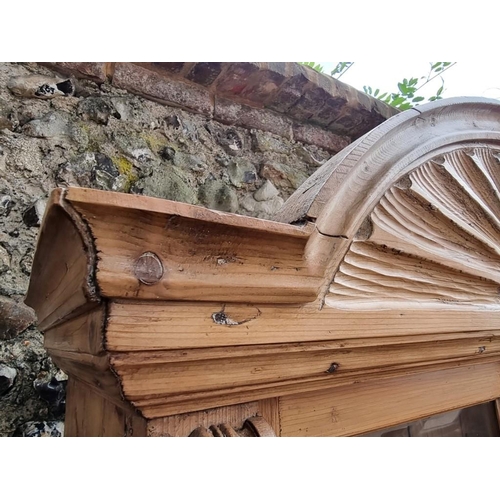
(411, 211)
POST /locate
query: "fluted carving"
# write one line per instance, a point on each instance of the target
(433, 239)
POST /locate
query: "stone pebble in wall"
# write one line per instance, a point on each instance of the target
(218, 195)
(24, 368)
(33, 216)
(53, 125)
(95, 170)
(241, 172)
(282, 176)
(53, 428)
(167, 182)
(40, 86)
(97, 109)
(15, 317)
(8, 117)
(265, 201)
(7, 377)
(4, 260)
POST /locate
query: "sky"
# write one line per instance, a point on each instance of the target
(479, 79)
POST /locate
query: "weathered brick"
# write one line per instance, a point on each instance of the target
(169, 70)
(227, 111)
(139, 80)
(357, 121)
(169, 67)
(233, 113)
(205, 73)
(279, 67)
(330, 111)
(262, 86)
(311, 134)
(91, 70)
(350, 120)
(288, 94)
(310, 103)
(235, 79)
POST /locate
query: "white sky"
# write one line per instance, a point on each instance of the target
(479, 79)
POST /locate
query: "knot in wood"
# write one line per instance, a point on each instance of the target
(148, 268)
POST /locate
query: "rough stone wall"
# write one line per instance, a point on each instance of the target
(59, 131)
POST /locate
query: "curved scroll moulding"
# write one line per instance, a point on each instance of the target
(410, 213)
(65, 235)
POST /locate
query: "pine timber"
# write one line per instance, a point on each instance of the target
(88, 414)
(374, 405)
(379, 305)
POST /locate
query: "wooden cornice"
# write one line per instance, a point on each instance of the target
(389, 273)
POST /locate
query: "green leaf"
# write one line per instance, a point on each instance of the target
(313, 65)
(396, 102)
(376, 93)
(405, 106)
(418, 99)
(382, 96)
(440, 90)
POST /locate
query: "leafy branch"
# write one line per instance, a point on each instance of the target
(337, 72)
(341, 69)
(407, 96)
(313, 65)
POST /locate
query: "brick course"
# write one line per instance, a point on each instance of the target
(286, 99)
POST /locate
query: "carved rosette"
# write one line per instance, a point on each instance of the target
(433, 239)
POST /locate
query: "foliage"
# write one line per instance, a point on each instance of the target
(406, 98)
(313, 65)
(337, 72)
(341, 69)
(408, 88)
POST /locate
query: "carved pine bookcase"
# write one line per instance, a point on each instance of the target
(371, 301)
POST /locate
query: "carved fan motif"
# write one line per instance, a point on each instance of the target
(434, 239)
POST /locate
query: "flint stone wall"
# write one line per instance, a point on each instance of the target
(236, 137)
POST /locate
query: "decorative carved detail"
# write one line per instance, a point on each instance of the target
(253, 427)
(435, 239)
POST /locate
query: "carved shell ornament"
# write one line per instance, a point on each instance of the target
(434, 240)
(414, 210)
